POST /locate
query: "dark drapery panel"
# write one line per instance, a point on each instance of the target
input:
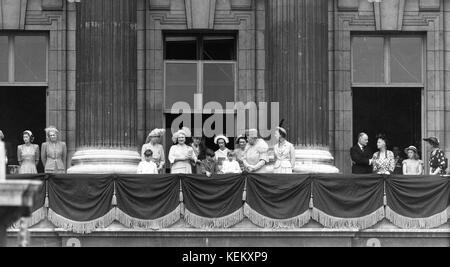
(81, 198)
(348, 201)
(213, 201)
(148, 197)
(277, 201)
(418, 201)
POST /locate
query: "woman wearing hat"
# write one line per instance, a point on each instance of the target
(256, 155)
(438, 162)
(28, 154)
(54, 152)
(222, 153)
(153, 143)
(413, 165)
(284, 153)
(181, 155)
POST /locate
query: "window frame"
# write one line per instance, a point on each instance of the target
(11, 59)
(200, 82)
(387, 61)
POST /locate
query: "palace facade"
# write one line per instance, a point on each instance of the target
(106, 72)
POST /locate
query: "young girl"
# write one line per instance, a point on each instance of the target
(413, 165)
(231, 165)
(147, 166)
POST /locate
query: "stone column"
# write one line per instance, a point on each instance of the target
(106, 98)
(297, 67)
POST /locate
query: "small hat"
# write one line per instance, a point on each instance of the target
(253, 133)
(223, 137)
(187, 131)
(282, 130)
(51, 129)
(238, 139)
(432, 140)
(411, 148)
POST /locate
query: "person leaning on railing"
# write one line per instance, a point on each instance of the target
(438, 162)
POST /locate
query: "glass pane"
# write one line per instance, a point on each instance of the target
(219, 48)
(181, 83)
(406, 60)
(4, 54)
(181, 48)
(368, 60)
(30, 58)
(219, 83)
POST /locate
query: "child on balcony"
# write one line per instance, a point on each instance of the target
(147, 166)
(231, 165)
(209, 165)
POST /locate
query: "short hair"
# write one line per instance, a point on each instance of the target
(384, 138)
(30, 135)
(360, 135)
(148, 153)
(210, 153)
(230, 154)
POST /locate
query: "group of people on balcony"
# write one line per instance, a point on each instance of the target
(52, 153)
(189, 154)
(385, 161)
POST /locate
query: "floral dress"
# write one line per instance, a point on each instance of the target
(383, 165)
(438, 160)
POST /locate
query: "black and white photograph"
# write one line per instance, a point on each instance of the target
(239, 125)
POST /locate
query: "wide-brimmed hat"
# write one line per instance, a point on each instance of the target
(157, 133)
(432, 140)
(411, 148)
(223, 137)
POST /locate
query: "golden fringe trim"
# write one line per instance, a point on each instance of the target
(418, 223)
(360, 223)
(266, 222)
(212, 223)
(157, 224)
(82, 227)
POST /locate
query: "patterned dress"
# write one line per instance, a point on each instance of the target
(438, 160)
(28, 156)
(383, 164)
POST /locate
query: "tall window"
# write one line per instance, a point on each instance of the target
(23, 59)
(202, 64)
(387, 60)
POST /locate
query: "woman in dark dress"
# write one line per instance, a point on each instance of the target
(438, 162)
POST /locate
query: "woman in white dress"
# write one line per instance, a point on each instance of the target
(413, 165)
(222, 153)
(28, 154)
(153, 143)
(181, 155)
(284, 153)
(256, 155)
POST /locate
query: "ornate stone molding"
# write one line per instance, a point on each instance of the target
(200, 13)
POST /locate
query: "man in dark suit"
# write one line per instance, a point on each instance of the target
(361, 156)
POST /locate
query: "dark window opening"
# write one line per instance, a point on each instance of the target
(219, 47)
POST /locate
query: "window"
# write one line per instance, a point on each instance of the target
(23, 58)
(200, 64)
(387, 60)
